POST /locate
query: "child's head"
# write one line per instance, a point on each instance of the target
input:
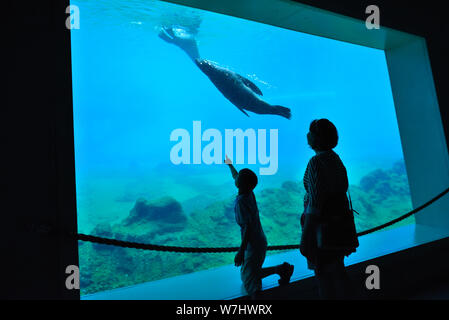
(246, 180)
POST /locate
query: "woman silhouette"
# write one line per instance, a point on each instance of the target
(327, 217)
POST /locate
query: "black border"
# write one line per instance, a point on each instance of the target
(39, 168)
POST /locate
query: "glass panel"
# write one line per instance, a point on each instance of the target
(138, 100)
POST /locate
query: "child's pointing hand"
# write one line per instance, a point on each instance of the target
(227, 160)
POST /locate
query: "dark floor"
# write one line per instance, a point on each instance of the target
(436, 292)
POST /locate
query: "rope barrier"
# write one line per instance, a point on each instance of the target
(136, 245)
(428, 203)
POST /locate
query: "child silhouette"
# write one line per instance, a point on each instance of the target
(251, 253)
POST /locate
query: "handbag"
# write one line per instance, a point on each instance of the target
(335, 229)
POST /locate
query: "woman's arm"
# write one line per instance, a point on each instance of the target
(314, 184)
(308, 235)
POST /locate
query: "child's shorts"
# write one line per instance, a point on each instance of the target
(250, 271)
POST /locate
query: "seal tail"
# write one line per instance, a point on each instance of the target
(187, 44)
(282, 111)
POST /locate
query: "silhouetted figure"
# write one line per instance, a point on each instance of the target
(328, 230)
(251, 254)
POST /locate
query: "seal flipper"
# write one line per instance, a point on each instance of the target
(282, 111)
(166, 34)
(184, 41)
(241, 109)
(251, 85)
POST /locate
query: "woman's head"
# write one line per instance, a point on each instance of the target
(246, 180)
(323, 135)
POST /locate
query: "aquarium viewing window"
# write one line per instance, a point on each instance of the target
(153, 123)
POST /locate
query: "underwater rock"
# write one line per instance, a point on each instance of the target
(103, 230)
(165, 210)
(369, 182)
(383, 195)
(198, 202)
(219, 213)
(399, 168)
(163, 221)
(128, 197)
(229, 209)
(383, 184)
(293, 186)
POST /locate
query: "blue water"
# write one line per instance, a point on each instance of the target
(131, 90)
